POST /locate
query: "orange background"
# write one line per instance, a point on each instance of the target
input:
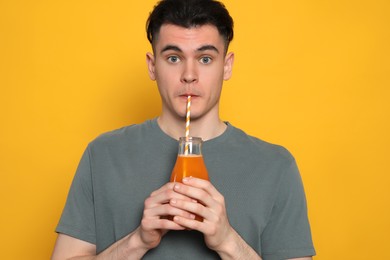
(310, 75)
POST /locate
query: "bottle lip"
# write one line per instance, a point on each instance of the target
(190, 138)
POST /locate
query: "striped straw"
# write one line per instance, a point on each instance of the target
(188, 115)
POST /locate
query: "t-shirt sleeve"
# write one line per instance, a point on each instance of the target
(287, 233)
(77, 219)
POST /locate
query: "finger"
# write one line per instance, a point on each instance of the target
(209, 214)
(167, 186)
(197, 194)
(160, 224)
(190, 207)
(208, 228)
(166, 210)
(209, 208)
(163, 195)
(202, 184)
(192, 224)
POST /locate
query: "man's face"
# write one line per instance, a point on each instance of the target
(189, 62)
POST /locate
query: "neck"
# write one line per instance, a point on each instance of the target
(206, 128)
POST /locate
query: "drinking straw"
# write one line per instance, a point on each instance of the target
(188, 115)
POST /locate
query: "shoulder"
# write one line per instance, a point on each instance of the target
(124, 136)
(259, 147)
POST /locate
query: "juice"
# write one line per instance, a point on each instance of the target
(189, 165)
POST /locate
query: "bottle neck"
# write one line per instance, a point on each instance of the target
(190, 146)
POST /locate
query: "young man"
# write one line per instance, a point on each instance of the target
(254, 205)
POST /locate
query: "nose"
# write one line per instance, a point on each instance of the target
(190, 73)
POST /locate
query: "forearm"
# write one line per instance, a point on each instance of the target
(129, 247)
(234, 247)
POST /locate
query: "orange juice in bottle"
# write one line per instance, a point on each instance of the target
(189, 162)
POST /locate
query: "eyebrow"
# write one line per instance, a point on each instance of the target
(170, 47)
(208, 47)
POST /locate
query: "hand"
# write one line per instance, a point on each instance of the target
(208, 203)
(154, 223)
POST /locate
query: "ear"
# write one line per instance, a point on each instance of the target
(150, 61)
(228, 67)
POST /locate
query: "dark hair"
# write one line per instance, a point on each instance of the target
(190, 13)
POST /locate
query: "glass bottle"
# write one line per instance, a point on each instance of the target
(189, 162)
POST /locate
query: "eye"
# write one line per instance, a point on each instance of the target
(205, 60)
(173, 59)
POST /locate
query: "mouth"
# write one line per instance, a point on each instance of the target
(189, 94)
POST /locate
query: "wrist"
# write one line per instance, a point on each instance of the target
(135, 245)
(234, 247)
(228, 248)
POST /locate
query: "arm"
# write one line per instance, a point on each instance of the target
(70, 246)
(234, 247)
(133, 246)
(67, 247)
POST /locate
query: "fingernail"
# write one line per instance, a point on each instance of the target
(186, 179)
(177, 186)
(173, 201)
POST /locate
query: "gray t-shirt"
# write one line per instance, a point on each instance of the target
(260, 182)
